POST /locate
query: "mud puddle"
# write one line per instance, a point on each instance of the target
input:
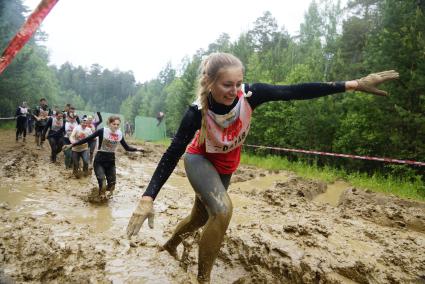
(284, 229)
(333, 193)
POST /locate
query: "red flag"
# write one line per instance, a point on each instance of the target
(26, 32)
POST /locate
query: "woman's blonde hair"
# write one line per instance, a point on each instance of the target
(210, 70)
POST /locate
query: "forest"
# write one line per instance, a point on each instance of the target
(334, 43)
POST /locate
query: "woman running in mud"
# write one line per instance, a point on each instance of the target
(70, 124)
(215, 127)
(56, 127)
(104, 162)
(82, 151)
(93, 124)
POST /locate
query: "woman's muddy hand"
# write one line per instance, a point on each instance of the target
(143, 210)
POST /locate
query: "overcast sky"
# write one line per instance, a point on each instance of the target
(142, 36)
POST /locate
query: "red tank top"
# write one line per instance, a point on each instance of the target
(222, 145)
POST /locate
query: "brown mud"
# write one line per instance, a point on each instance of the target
(284, 229)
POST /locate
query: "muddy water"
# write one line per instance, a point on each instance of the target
(332, 194)
(284, 229)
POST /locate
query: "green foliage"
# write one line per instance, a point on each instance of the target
(27, 78)
(101, 89)
(7, 124)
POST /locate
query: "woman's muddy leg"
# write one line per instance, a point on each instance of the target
(53, 148)
(59, 145)
(197, 218)
(111, 177)
(76, 163)
(210, 187)
(99, 171)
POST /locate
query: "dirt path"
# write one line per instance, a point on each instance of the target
(283, 230)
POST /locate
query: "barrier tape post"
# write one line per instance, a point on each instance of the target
(387, 160)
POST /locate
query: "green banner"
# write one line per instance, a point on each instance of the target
(148, 129)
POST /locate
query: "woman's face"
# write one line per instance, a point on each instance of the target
(114, 125)
(225, 89)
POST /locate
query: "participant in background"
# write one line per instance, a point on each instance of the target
(82, 151)
(21, 121)
(40, 123)
(56, 127)
(40, 116)
(127, 129)
(42, 106)
(56, 109)
(71, 112)
(93, 124)
(104, 162)
(66, 110)
(70, 124)
(159, 117)
(214, 129)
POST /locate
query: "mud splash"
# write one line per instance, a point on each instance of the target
(285, 229)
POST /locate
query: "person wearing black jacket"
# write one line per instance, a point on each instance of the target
(41, 114)
(104, 161)
(21, 121)
(212, 133)
(56, 127)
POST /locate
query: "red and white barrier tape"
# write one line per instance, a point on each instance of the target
(387, 160)
(25, 32)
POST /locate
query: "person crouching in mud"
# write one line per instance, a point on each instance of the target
(104, 161)
(214, 129)
(82, 150)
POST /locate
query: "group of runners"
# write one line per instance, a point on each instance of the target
(79, 138)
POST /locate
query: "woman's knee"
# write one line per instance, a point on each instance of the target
(223, 211)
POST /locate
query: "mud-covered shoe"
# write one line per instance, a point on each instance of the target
(77, 174)
(170, 249)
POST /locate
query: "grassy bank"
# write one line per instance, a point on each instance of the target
(7, 124)
(402, 188)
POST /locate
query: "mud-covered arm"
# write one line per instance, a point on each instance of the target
(262, 93)
(89, 138)
(191, 122)
(126, 146)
